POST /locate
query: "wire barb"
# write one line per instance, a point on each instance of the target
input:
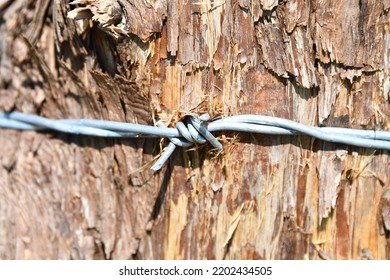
(196, 130)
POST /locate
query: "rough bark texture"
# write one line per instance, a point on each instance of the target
(316, 62)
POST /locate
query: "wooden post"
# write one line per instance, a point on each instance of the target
(263, 197)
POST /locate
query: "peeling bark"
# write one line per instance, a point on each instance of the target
(263, 197)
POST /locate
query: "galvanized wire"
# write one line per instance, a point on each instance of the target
(196, 130)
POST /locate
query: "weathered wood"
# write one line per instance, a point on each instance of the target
(316, 62)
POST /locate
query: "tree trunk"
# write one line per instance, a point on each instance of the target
(263, 197)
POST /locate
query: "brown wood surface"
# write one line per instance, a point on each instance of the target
(263, 197)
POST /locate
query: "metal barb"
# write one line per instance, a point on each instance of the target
(196, 130)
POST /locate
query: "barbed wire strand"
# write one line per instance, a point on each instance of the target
(196, 130)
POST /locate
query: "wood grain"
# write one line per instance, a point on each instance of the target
(263, 197)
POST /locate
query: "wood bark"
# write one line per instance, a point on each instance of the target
(263, 197)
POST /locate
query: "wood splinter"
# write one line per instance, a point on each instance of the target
(108, 14)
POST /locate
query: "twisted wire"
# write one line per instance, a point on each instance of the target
(196, 130)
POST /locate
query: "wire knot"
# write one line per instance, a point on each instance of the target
(194, 130)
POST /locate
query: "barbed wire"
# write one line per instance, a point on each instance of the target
(196, 130)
